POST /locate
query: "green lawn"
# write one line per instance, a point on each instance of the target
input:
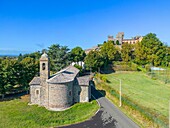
(18, 114)
(163, 75)
(152, 94)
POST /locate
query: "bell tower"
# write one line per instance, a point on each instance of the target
(44, 67)
(44, 75)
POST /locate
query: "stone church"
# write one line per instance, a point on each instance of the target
(61, 90)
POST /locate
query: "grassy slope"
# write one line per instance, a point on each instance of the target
(18, 114)
(152, 94)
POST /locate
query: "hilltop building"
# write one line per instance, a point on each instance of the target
(91, 49)
(61, 90)
(120, 38)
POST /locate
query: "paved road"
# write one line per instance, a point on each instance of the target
(108, 116)
(120, 119)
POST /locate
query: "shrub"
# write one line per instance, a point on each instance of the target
(79, 67)
(104, 79)
(148, 67)
(101, 77)
(125, 66)
(134, 67)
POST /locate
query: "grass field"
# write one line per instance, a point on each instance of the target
(163, 75)
(140, 88)
(18, 114)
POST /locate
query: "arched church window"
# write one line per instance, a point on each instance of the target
(43, 66)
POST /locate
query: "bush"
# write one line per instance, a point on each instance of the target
(104, 79)
(101, 77)
(125, 66)
(134, 67)
(79, 67)
(148, 67)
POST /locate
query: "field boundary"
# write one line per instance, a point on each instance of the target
(133, 110)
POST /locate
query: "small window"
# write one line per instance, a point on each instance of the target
(37, 92)
(78, 92)
(43, 66)
(69, 93)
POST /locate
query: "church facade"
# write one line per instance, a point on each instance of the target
(61, 90)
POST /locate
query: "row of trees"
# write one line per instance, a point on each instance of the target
(16, 73)
(149, 51)
(61, 56)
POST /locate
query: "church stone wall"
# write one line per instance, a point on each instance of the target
(35, 94)
(60, 95)
(44, 95)
(84, 95)
(77, 90)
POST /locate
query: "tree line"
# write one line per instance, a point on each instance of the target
(16, 73)
(149, 51)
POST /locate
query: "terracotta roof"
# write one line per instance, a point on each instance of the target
(83, 80)
(66, 75)
(35, 81)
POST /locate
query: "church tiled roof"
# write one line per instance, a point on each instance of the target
(35, 81)
(66, 75)
(83, 80)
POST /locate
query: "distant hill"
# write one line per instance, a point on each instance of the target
(8, 55)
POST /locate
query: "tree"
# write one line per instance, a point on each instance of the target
(140, 54)
(93, 60)
(30, 67)
(164, 56)
(150, 50)
(20, 57)
(8, 75)
(59, 57)
(108, 52)
(117, 42)
(77, 54)
(35, 55)
(127, 52)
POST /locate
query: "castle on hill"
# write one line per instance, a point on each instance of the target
(120, 38)
(61, 90)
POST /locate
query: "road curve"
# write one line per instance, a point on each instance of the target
(122, 121)
(109, 116)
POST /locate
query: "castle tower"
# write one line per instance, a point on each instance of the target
(44, 75)
(110, 38)
(120, 37)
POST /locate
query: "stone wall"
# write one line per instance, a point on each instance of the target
(84, 95)
(60, 95)
(35, 94)
(44, 95)
(77, 91)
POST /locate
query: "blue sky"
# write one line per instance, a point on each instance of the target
(31, 25)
